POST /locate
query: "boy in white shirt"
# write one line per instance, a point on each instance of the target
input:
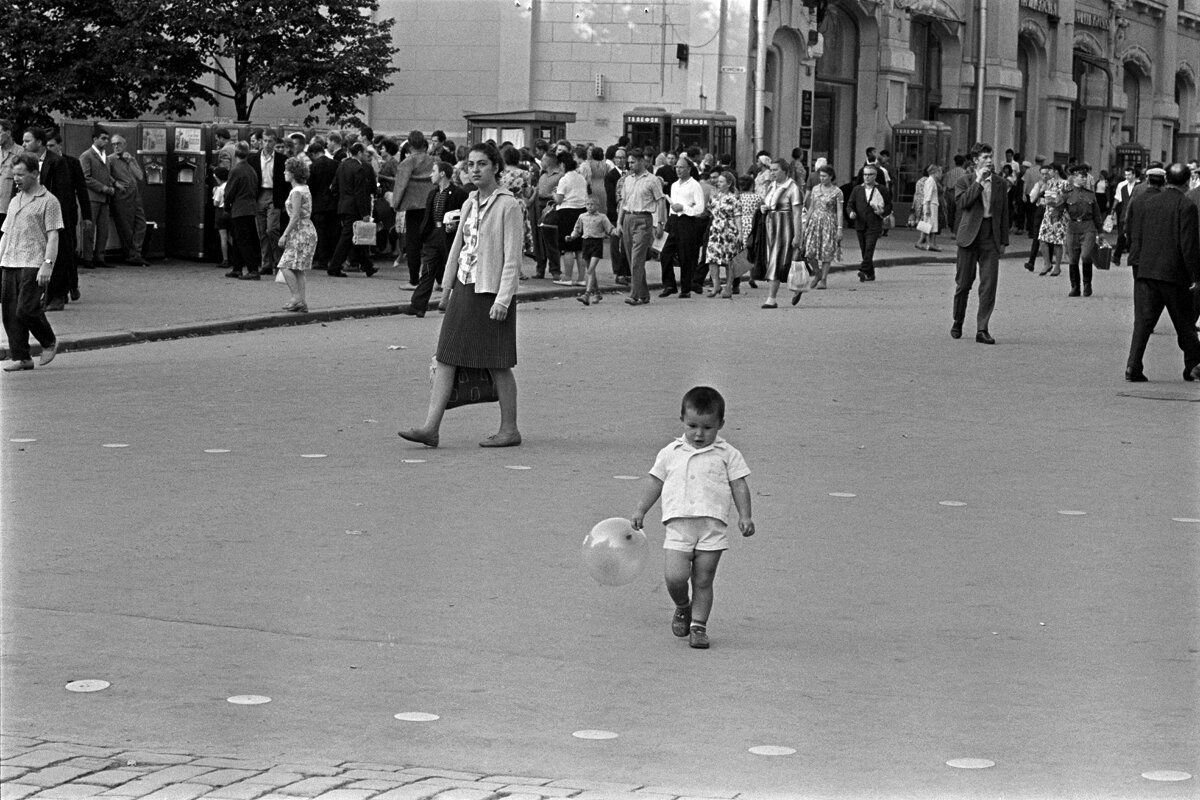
(697, 476)
(593, 227)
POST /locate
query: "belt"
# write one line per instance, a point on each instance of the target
(639, 213)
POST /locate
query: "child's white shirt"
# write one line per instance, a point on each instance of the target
(696, 482)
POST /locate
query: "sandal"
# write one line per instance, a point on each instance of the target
(496, 440)
(770, 304)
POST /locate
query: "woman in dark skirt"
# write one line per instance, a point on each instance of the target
(480, 281)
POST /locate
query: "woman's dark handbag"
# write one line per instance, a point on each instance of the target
(549, 217)
(471, 385)
(1102, 254)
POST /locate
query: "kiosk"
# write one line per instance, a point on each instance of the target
(648, 127)
(1132, 154)
(188, 151)
(151, 151)
(519, 127)
(712, 131)
(916, 143)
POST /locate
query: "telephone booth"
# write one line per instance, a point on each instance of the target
(712, 131)
(916, 143)
(519, 127)
(1132, 154)
(648, 127)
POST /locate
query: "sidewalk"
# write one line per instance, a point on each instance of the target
(174, 299)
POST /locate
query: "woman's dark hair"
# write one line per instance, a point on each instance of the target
(828, 170)
(568, 162)
(730, 179)
(492, 152)
(796, 153)
(596, 154)
(745, 183)
(1058, 169)
(510, 155)
(703, 400)
(221, 173)
(391, 147)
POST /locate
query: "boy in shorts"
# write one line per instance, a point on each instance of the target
(697, 476)
(593, 227)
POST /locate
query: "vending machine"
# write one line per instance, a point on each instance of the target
(187, 186)
(152, 155)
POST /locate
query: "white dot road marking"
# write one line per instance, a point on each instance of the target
(970, 763)
(22, 441)
(517, 466)
(216, 450)
(593, 734)
(842, 494)
(312, 455)
(248, 699)
(1070, 513)
(1166, 775)
(1173, 519)
(87, 685)
(114, 444)
(412, 461)
(951, 503)
(772, 750)
(416, 716)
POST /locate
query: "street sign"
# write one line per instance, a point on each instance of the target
(733, 70)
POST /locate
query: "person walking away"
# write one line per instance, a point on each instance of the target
(28, 251)
(1083, 226)
(869, 204)
(592, 228)
(981, 238)
(354, 185)
(241, 201)
(299, 238)
(640, 217)
(1164, 252)
(436, 233)
(823, 225)
(412, 187)
(99, 180)
(321, 172)
(127, 211)
(480, 282)
(695, 512)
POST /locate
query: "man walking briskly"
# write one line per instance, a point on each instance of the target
(982, 199)
(127, 212)
(869, 204)
(1164, 252)
(94, 161)
(28, 250)
(435, 235)
(641, 214)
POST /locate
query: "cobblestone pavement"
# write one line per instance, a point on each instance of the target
(54, 770)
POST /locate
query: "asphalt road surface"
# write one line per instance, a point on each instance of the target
(916, 592)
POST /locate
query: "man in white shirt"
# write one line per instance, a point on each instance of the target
(1121, 200)
(685, 230)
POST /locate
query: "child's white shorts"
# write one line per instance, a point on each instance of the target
(695, 533)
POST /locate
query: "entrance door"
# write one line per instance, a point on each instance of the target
(823, 144)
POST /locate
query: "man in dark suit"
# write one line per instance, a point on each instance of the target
(869, 204)
(616, 158)
(981, 198)
(55, 175)
(435, 235)
(241, 200)
(65, 280)
(101, 190)
(354, 184)
(1164, 252)
(272, 197)
(320, 183)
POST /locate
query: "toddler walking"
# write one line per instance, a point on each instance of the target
(593, 227)
(697, 476)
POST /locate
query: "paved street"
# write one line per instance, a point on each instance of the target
(964, 552)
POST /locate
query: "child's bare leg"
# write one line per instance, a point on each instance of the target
(677, 571)
(704, 569)
(592, 284)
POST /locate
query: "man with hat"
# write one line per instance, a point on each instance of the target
(1083, 225)
(1164, 252)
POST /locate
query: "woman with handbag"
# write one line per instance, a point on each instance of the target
(929, 198)
(1053, 231)
(480, 282)
(784, 206)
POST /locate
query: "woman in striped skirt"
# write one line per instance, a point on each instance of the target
(783, 204)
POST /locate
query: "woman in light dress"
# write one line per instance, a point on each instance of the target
(928, 199)
(823, 225)
(724, 234)
(1053, 232)
(299, 239)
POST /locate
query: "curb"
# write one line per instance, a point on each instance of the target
(287, 319)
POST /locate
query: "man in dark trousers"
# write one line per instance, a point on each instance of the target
(1164, 252)
(55, 174)
(981, 197)
(354, 184)
(869, 204)
(324, 215)
(272, 197)
(435, 235)
(241, 200)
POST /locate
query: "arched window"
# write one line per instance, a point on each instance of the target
(925, 87)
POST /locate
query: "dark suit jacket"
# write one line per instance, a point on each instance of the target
(610, 192)
(354, 183)
(968, 200)
(79, 184)
(320, 183)
(455, 201)
(241, 190)
(55, 175)
(865, 218)
(1164, 238)
(96, 173)
(279, 184)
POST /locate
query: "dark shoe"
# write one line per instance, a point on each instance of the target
(368, 270)
(681, 620)
(412, 312)
(48, 354)
(496, 440)
(983, 337)
(336, 273)
(420, 437)
(621, 280)
(102, 264)
(233, 273)
(18, 366)
(796, 297)
(629, 301)
(667, 292)
(956, 330)
(586, 299)
(1192, 374)
(56, 305)
(1029, 266)
(862, 276)
(1087, 290)
(269, 271)
(1137, 376)
(137, 262)
(871, 276)
(75, 295)
(87, 265)
(1074, 292)
(302, 308)
(684, 295)
(250, 276)
(698, 638)
(1046, 271)
(753, 285)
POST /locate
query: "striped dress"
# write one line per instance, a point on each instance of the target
(779, 229)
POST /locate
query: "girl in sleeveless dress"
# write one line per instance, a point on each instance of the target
(299, 239)
(724, 234)
(823, 225)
